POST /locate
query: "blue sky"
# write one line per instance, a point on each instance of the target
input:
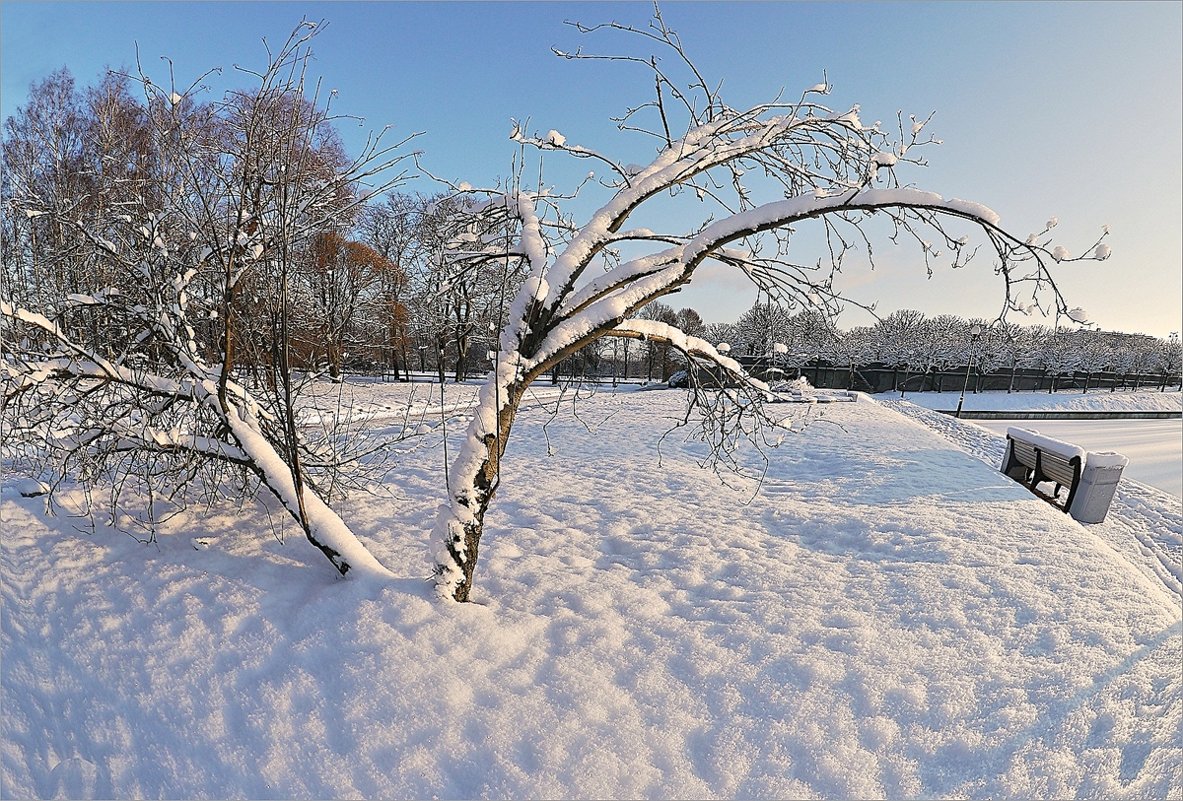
(1065, 109)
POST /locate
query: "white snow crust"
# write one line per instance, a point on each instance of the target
(887, 616)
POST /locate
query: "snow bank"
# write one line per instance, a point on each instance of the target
(888, 616)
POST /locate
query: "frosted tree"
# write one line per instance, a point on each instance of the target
(1054, 352)
(1170, 362)
(762, 326)
(944, 344)
(722, 334)
(192, 385)
(588, 279)
(898, 339)
(851, 349)
(1092, 353)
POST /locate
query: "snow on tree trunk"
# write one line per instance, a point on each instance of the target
(472, 483)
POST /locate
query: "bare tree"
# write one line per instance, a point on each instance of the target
(817, 164)
(343, 280)
(194, 277)
(389, 228)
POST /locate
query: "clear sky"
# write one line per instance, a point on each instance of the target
(1064, 109)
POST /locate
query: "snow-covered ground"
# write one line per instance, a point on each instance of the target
(886, 616)
(1094, 400)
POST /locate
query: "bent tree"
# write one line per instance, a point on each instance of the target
(753, 177)
(158, 356)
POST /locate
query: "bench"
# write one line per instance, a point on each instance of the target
(1032, 459)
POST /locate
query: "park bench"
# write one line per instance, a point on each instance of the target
(1033, 459)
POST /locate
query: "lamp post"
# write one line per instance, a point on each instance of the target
(975, 331)
(1173, 348)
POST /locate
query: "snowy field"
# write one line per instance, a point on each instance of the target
(883, 615)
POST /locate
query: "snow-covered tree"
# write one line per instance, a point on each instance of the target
(815, 164)
(897, 338)
(1091, 353)
(1170, 361)
(761, 327)
(1053, 352)
(193, 273)
(852, 349)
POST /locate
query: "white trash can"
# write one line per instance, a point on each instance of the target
(1098, 484)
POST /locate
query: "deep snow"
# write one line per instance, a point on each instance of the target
(886, 616)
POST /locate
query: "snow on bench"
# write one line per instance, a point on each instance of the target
(1032, 458)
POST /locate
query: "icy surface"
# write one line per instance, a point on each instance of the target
(887, 616)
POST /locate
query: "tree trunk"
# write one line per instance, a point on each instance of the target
(335, 358)
(461, 342)
(474, 480)
(439, 357)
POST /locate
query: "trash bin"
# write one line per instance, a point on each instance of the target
(1098, 484)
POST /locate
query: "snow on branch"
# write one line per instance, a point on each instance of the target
(757, 174)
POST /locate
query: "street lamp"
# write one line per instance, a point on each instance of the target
(975, 331)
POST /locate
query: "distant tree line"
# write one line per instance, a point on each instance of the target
(382, 283)
(922, 351)
(372, 278)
